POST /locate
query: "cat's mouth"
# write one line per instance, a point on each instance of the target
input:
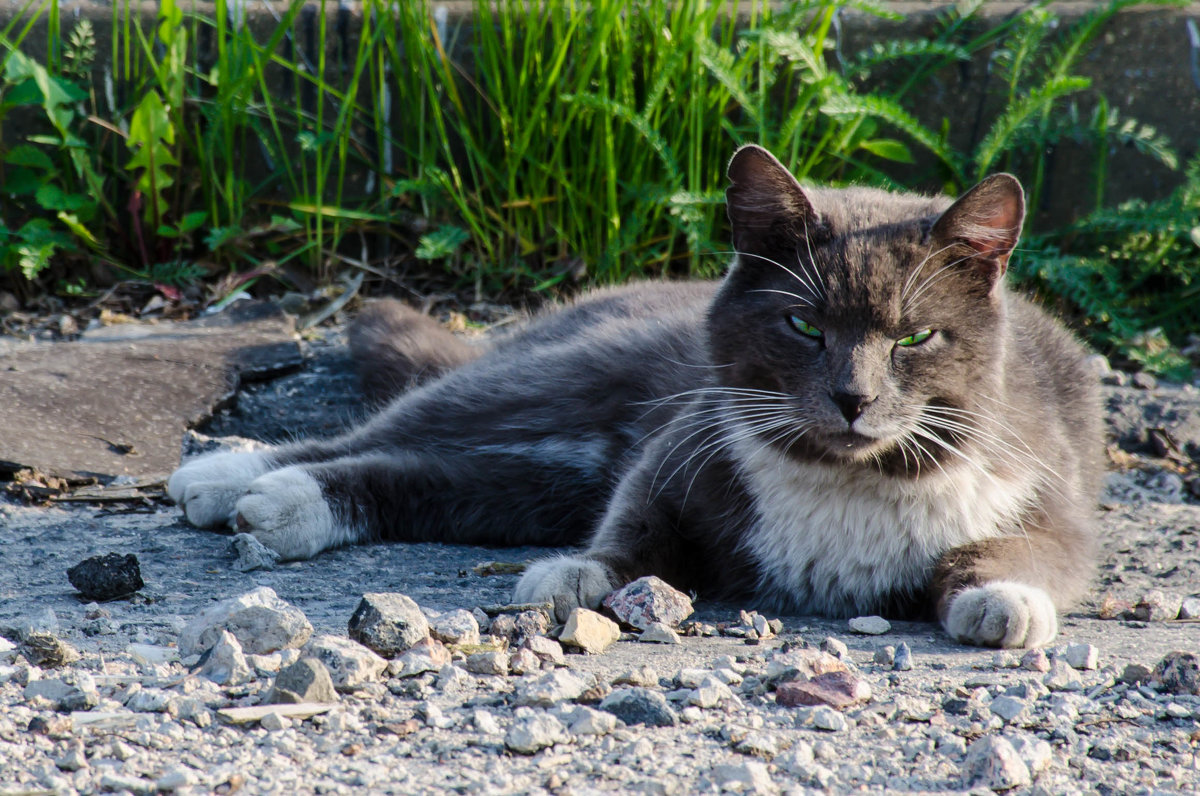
(852, 444)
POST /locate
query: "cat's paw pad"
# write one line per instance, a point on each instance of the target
(208, 488)
(1003, 614)
(287, 512)
(581, 581)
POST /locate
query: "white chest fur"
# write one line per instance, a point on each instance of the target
(838, 539)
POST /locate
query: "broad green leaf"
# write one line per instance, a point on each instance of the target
(31, 156)
(888, 149)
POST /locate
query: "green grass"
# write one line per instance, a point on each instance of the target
(540, 143)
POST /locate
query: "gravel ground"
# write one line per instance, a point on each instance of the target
(1108, 709)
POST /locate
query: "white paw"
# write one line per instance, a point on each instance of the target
(286, 511)
(208, 487)
(582, 580)
(1003, 614)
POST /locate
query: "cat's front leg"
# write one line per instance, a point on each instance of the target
(1007, 591)
(580, 580)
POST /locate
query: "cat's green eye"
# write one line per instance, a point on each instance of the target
(805, 328)
(915, 339)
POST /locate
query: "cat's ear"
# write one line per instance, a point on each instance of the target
(767, 207)
(987, 219)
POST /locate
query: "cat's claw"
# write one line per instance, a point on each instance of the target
(208, 488)
(286, 511)
(1003, 614)
(581, 581)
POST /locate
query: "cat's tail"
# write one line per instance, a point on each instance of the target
(396, 348)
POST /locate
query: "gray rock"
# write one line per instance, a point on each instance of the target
(547, 649)
(1007, 707)
(870, 625)
(251, 554)
(534, 731)
(490, 662)
(452, 679)
(350, 664)
(259, 620)
(648, 600)
(456, 627)
(640, 706)
(224, 662)
(64, 696)
(1158, 606)
(306, 680)
(388, 623)
(1179, 673)
(885, 656)
(992, 762)
(560, 685)
(835, 647)
(149, 700)
(1144, 381)
(1035, 660)
(641, 676)
(904, 661)
(758, 744)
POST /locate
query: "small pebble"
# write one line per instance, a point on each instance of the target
(903, 662)
(870, 625)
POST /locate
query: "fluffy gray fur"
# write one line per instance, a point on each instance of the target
(859, 418)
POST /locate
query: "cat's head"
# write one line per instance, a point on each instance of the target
(857, 325)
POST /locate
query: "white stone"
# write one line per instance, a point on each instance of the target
(225, 664)
(582, 720)
(176, 778)
(275, 722)
(589, 631)
(532, 732)
(993, 763)
(259, 620)
(485, 722)
(560, 685)
(1035, 753)
(1062, 677)
(451, 680)
(1082, 656)
(826, 718)
(149, 700)
(456, 627)
(870, 625)
(751, 777)
(659, 633)
(350, 664)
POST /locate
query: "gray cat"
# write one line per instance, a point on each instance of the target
(860, 418)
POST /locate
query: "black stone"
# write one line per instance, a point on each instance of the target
(107, 577)
(640, 706)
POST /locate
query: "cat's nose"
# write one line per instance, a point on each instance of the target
(852, 405)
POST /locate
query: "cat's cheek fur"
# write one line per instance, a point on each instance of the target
(584, 581)
(208, 488)
(287, 512)
(1003, 614)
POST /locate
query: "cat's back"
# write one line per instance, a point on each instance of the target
(616, 313)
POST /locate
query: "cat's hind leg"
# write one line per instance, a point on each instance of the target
(207, 488)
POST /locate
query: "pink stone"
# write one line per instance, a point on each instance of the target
(648, 600)
(835, 689)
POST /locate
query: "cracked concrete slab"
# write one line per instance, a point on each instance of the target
(118, 400)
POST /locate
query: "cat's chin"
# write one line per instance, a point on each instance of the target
(850, 446)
